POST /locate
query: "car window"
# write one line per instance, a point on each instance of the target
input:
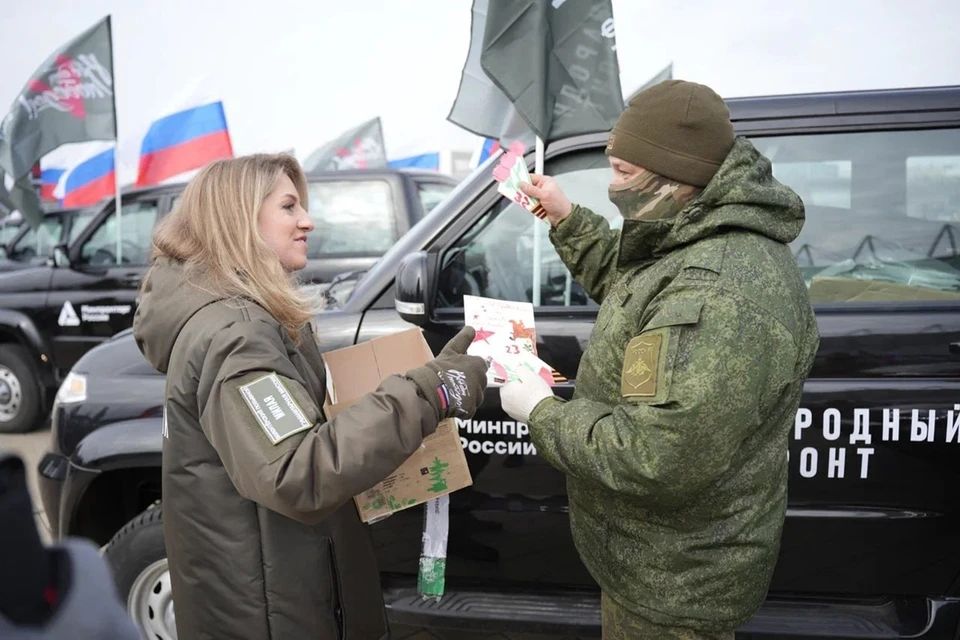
(38, 242)
(882, 212)
(882, 222)
(80, 222)
(823, 184)
(432, 193)
(135, 231)
(8, 231)
(933, 187)
(497, 256)
(351, 218)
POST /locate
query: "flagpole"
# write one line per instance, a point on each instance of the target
(116, 185)
(537, 236)
(537, 228)
(116, 145)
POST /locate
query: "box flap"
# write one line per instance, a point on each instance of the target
(353, 371)
(400, 352)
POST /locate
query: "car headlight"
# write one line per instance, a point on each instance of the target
(73, 388)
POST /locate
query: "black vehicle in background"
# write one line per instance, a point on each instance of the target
(870, 548)
(53, 312)
(31, 247)
(8, 228)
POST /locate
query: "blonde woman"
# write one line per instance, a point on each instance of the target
(261, 532)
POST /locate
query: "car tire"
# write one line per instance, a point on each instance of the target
(138, 560)
(20, 396)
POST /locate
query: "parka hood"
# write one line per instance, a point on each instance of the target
(166, 303)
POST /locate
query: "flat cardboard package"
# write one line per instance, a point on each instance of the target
(439, 466)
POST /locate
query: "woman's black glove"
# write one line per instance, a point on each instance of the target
(453, 382)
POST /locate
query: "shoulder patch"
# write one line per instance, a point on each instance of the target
(642, 365)
(274, 407)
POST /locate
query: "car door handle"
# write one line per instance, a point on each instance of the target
(955, 348)
(133, 278)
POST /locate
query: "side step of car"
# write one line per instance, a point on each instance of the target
(578, 613)
(567, 613)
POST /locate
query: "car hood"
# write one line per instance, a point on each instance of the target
(117, 357)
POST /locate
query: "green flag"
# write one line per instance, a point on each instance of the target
(70, 98)
(361, 147)
(556, 63)
(21, 196)
(6, 206)
(480, 106)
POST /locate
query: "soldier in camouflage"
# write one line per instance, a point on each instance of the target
(675, 441)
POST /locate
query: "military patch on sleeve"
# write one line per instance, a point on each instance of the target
(642, 368)
(274, 407)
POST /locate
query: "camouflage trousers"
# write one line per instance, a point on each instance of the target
(622, 624)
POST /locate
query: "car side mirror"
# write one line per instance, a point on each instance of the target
(61, 257)
(413, 298)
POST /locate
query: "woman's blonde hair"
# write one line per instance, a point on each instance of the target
(214, 229)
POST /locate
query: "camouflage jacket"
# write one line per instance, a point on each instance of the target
(675, 442)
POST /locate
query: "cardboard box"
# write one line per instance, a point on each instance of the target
(439, 466)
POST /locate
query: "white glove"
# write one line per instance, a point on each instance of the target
(520, 398)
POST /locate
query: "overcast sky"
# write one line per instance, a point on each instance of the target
(295, 73)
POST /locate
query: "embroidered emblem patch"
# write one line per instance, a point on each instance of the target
(275, 409)
(641, 364)
(610, 140)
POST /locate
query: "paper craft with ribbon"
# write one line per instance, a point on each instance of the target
(510, 173)
(506, 338)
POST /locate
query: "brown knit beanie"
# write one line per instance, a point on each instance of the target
(678, 129)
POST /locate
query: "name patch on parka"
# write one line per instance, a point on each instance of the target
(274, 407)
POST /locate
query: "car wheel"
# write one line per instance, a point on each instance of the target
(138, 559)
(19, 390)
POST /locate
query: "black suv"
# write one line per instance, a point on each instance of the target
(29, 246)
(870, 548)
(53, 312)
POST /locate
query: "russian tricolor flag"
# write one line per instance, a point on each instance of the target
(91, 181)
(490, 146)
(48, 182)
(183, 141)
(430, 161)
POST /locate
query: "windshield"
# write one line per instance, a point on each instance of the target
(38, 242)
(432, 193)
(80, 222)
(8, 230)
(475, 180)
(351, 218)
